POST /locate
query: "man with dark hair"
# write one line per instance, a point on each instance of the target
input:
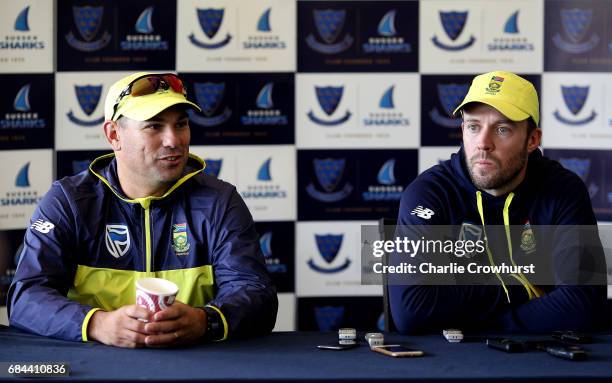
(499, 177)
(147, 210)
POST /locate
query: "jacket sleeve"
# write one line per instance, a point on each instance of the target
(418, 307)
(245, 296)
(578, 300)
(37, 299)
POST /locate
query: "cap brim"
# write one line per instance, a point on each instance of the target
(505, 108)
(145, 107)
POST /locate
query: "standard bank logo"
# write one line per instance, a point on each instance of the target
(450, 96)
(511, 40)
(209, 96)
(88, 97)
(145, 39)
(387, 41)
(117, 240)
(576, 23)
(265, 114)
(453, 24)
(386, 114)
(264, 188)
(328, 245)
(23, 117)
(264, 38)
(22, 194)
(581, 166)
(22, 39)
(273, 264)
(329, 318)
(88, 21)
(329, 24)
(329, 173)
(575, 97)
(213, 167)
(210, 21)
(329, 98)
(386, 190)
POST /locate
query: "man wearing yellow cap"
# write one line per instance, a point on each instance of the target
(147, 210)
(499, 177)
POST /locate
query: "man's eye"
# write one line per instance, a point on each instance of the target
(472, 127)
(503, 130)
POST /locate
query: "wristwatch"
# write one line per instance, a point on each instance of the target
(214, 325)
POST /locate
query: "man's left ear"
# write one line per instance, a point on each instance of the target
(535, 139)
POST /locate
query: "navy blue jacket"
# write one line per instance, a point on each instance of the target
(88, 243)
(549, 195)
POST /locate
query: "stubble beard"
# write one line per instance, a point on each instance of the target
(502, 177)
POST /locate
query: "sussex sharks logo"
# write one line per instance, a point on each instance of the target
(328, 246)
(387, 40)
(23, 38)
(264, 187)
(575, 98)
(329, 172)
(264, 36)
(329, 24)
(453, 24)
(266, 113)
(386, 190)
(386, 114)
(144, 39)
(24, 117)
(88, 21)
(273, 264)
(210, 22)
(23, 194)
(511, 40)
(329, 98)
(576, 24)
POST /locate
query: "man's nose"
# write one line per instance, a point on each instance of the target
(484, 140)
(170, 138)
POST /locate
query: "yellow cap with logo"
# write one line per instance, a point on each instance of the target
(141, 96)
(512, 95)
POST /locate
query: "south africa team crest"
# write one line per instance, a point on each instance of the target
(528, 242)
(180, 240)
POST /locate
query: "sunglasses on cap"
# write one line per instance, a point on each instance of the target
(150, 84)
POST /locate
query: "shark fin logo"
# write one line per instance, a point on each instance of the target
(22, 100)
(117, 240)
(329, 99)
(264, 171)
(575, 98)
(329, 173)
(386, 27)
(263, 25)
(264, 98)
(144, 24)
(511, 25)
(329, 24)
(265, 244)
(386, 174)
(453, 24)
(213, 167)
(21, 22)
(23, 180)
(210, 22)
(576, 23)
(88, 97)
(386, 101)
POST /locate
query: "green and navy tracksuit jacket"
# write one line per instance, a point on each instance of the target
(549, 195)
(88, 243)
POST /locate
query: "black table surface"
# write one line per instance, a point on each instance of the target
(293, 356)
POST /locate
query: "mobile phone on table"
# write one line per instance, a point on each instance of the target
(397, 351)
(336, 346)
(506, 345)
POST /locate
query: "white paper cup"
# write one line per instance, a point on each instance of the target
(155, 294)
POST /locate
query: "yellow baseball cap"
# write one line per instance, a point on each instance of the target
(512, 95)
(144, 107)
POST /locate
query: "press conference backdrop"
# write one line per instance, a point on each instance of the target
(320, 112)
